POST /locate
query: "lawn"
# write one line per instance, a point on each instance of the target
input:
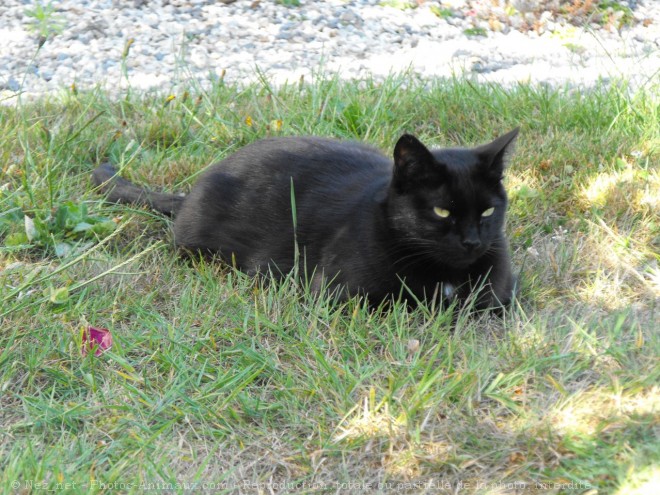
(221, 383)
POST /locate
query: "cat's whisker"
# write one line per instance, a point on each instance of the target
(413, 259)
(407, 246)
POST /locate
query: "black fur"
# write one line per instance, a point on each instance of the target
(364, 225)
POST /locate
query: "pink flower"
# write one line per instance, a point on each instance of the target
(96, 338)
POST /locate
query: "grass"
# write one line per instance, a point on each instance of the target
(220, 383)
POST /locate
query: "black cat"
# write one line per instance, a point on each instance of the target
(428, 226)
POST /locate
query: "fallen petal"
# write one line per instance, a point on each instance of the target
(96, 338)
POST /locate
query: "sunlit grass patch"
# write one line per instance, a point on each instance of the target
(369, 420)
(626, 187)
(595, 410)
(643, 481)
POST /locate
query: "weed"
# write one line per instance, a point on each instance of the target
(289, 3)
(399, 4)
(45, 22)
(475, 31)
(442, 13)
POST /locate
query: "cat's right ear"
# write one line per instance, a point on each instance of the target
(494, 155)
(412, 161)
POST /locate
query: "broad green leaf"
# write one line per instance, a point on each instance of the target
(82, 227)
(104, 228)
(16, 239)
(63, 249)
(57, 296)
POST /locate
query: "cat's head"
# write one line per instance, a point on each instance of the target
(449, 204)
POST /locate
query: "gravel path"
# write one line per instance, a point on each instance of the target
(174, 40)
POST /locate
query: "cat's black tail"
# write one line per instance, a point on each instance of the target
(120, 190)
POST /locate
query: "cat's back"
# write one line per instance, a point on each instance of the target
(321, 171)
(250, 196)
(304, 157)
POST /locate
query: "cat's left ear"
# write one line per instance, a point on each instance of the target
(494, 155)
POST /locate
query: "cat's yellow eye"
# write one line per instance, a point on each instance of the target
(488, 212)
(441, 212)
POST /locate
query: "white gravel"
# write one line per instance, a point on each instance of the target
(175, 40)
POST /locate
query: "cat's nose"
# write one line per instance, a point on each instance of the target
(471, 244)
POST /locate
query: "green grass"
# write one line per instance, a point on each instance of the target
(218, 381)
